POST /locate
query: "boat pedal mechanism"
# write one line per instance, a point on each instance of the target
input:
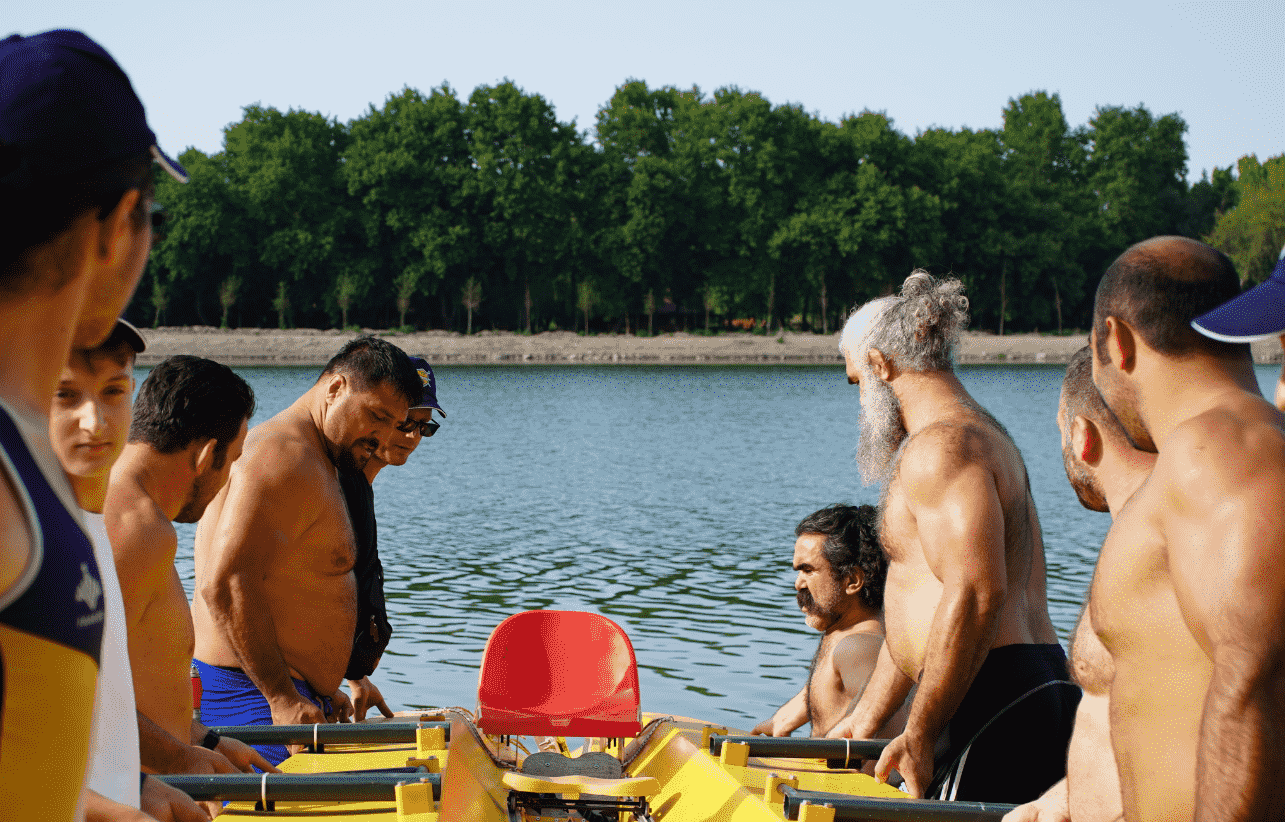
(593, 786)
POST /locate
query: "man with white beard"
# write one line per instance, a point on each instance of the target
(965, 603)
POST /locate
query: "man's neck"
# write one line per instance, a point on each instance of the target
(1122, 471)
(311, 410)
(38, 334)
(373, 466)
(927, 397)
(90, 492)
(164, 478)
(1173, 391)
(857, 619)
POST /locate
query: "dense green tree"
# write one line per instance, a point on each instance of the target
(1253, 232)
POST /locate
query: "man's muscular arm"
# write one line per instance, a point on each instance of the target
(959, 521)
(885, 692)
(1225, 562)
(143, 545)
(254, 527)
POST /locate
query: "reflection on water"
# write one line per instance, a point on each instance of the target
(662, 497)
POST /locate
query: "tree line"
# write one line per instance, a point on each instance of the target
(678, 210)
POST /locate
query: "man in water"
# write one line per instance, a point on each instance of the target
(839, 588)
(373, 628)
(1187, 597)
(188, 427)
(1105, 470)
(276, 599)
(964, 603)
(88, 424)
(76, 172)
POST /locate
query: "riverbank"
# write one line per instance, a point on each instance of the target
(311, 347)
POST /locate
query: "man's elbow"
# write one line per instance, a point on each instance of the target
(217, 595)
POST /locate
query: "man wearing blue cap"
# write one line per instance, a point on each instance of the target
(76, 183)
(373, 627)
(1258, 314)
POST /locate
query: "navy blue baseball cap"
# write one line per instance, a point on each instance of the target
(429, 400)
(66, 106)
(1258, 314)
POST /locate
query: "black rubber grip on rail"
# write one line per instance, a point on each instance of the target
(373, 786)
(345, 733)
(879, 809)
(838, 753)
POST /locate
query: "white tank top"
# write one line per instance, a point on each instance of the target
(113, 743)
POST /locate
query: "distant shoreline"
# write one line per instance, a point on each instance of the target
(311, 347)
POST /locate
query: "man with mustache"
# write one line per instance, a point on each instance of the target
(1188, 598)
(276, 600)
(1105, 470)
(839, 589)
(965, 604)
(373, 629)
(188, 427)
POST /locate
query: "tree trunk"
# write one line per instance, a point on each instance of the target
(470, 322)
(825, 328)
(650, 332)
(771, 300)
(1057, 304)
(526, 304)
(1003, 296)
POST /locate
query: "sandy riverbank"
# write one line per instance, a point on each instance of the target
(310, 347)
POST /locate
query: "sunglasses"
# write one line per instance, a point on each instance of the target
(427, 428)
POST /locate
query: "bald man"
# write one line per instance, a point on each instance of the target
(1188, 598)
(1104, 470)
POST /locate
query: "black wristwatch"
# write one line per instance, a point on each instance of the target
(211, 740)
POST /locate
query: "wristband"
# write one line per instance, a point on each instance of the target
(142, 781)
(211, 740)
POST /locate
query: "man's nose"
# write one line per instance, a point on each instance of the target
(91, 417)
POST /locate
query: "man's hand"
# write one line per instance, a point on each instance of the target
(170, 804)
(848, 728)
(1051, 807)
(913, 759)
(243, 756)
(297, 711)
(198, 760)
(366, 696)
(341, 706)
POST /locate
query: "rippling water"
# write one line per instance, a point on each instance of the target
(662, 497)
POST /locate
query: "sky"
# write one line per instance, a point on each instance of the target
(925, 64)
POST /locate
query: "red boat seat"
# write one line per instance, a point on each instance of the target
(558, 673)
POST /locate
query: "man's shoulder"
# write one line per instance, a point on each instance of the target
(135, 525)
(946, 447)
(1224, 446)
(281, 452)
(857, 648)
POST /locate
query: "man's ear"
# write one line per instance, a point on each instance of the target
(203, 456)
(856, 581)
(881, 365)
(1122, 344)
(1086, 441)
(117, 233)
(335, 387)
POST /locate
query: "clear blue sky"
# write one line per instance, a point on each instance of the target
(950, 64)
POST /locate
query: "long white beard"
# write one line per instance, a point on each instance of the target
(881, 429)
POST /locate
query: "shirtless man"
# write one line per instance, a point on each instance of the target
(275, 604)
(1188, 598)
(964, 605)
(188, 426)
(373, 629)
(1105, 471)
(839, 588)
(76, 177)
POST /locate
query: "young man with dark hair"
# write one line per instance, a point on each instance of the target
(1187, 598)
(373, 628)
(88, 424)
(275, 607)
(76, 181)
(965, 604)
(839, 588)
(189, 423)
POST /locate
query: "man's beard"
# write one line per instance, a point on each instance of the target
(1083, 482)
(880, 429)
(811, 607)
(198, 498)
(348, 461)
(1121, 401)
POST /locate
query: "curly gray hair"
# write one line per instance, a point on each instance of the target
(918, 330)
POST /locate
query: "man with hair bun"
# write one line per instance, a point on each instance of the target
(965, 604)
(839, 588)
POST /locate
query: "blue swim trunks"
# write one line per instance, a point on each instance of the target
(229, 697)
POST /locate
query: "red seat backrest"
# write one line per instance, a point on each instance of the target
(558, 673)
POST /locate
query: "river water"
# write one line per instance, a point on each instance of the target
(662, 497)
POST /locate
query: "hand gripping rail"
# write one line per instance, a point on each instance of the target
(838, 753)
(318, 736)
(892, 810)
